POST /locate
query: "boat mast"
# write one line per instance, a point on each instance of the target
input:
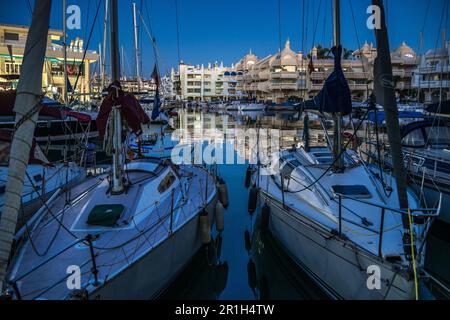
(66, 76)
(384, 89)
(117, 187)
(136, 46)
(337, 117)
(123, 65)
(105, 38)
(26, 108)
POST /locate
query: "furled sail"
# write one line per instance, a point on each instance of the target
(335, 95)
(130, 108)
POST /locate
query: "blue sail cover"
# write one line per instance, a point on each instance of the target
(157, 103)
(335, 95)
(381, 116)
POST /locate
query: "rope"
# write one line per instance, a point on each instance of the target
(416, 285)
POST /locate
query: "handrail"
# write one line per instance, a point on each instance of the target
(409, 213)
(87, 240)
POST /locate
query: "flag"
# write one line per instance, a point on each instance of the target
(156, 106)
(157, 103)
(155, 77)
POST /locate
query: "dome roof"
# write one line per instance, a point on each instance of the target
(287, 57)
(404, 51)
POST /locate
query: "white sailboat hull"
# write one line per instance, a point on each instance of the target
(336, 265)
(149, 276)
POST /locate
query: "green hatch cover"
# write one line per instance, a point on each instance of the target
(105, 215)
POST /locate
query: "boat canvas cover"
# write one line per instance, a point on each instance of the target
(52, 110)
(381, 116)
(335, 95)
(130, 107)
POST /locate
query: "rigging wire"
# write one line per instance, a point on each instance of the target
(87, 46)
(177, 17)
(279, 25)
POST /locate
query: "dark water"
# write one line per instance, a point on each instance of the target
(250, 265)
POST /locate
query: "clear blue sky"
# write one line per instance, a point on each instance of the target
(224, 30)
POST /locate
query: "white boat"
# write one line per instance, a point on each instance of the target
(141, 239)
(125, 234)
(338, 226)
(42, 178)
(156, 142)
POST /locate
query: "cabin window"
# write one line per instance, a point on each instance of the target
(2, 189)
(38, 178)
(166, 183)
(354, 191)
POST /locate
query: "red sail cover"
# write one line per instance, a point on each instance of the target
(8, 99)
(130, 108)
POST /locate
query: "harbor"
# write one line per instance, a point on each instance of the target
(313, 174)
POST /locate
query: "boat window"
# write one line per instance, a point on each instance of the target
(166, 183)
(38, 178)
(355, 191)
(2, 189)
(438, 135)
(414, 139)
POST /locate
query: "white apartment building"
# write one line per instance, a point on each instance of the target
(431, 78)
(200, 83)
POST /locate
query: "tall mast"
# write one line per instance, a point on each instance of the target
(136, 46)
(337, 117)
(117, 187)
(105, 38)
(123, 64)
(384, 90)
(28, 96)
(66, 76)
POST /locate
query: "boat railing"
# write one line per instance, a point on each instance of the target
(88, 241)
(416, 214)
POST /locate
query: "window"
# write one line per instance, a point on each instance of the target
(11, 36)
(166, 183)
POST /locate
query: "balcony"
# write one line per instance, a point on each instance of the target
(284, 75)
(435, 84)
(283, 86)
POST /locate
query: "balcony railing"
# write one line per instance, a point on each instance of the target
(284, 75)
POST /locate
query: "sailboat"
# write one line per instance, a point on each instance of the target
(335, 218)
(125, 234)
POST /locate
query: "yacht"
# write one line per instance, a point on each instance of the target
(337, 226)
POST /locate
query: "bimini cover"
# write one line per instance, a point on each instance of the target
(335, 95)
(105, 215)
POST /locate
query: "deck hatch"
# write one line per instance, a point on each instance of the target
(105, 215)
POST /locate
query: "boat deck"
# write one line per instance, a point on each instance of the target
(144, 224)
